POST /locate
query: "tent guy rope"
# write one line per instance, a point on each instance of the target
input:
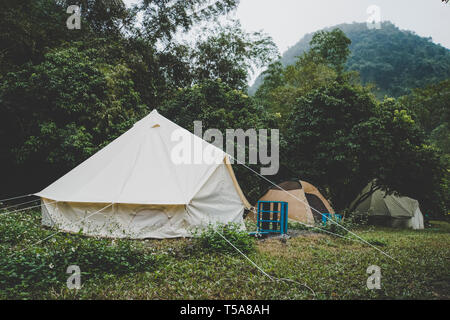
(19, 204)
(18, 197)
(59, 231)
(260, 269)
(24, 209)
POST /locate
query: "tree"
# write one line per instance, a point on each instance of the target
(321, 65)
(431, 109)
(430, 105)
(341, 138)
(27, 29)
(408, 166)
(330, 48)
(59, 112)
(107, 18)
(228, 53)
(163, 19)
(321, 142)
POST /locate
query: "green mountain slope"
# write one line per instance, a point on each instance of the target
(394, 60)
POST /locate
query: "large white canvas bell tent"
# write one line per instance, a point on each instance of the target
(137, 187)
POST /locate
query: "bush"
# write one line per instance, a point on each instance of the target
(38, 268)
(381, 242)
(250, 225)
(293, 225)
(358, 218)
(336, 226)
(210, 239)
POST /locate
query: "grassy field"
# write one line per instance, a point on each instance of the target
(333, 268)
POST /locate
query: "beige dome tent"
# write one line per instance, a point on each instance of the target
(133, 188)
(300, 210)
(389, 210)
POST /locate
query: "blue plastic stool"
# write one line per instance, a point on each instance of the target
(272, 217)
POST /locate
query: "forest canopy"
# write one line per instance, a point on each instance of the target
(340, 136)
(65, 94)
(395, 61)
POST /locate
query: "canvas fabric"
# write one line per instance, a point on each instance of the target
(298, 207)
(151, 195)
(391, 206)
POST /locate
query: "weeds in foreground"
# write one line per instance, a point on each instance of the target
(212, 239)
(333, 267)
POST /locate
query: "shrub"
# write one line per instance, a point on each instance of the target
(358, 218)
(210, 239)
(250, 225)
(293, 225)
(38, 268)
(336, 226)
(381, 242)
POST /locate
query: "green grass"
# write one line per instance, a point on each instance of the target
(178, 269)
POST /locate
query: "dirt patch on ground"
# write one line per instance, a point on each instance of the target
(281, 245)
(304, 233)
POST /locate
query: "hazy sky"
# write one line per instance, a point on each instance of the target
(287, 21)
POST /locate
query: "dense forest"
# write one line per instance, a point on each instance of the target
(65, 94)
(393, 60)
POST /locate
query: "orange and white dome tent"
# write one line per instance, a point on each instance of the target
(132, 188)
(300, 196)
